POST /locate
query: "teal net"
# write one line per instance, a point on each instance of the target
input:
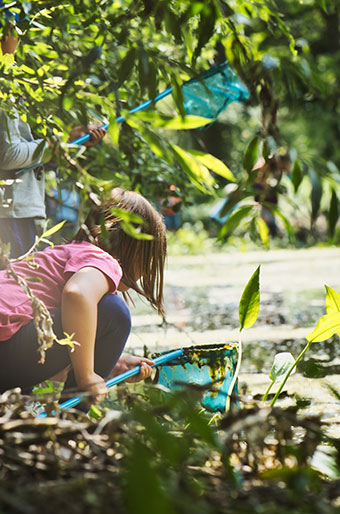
(213, 92)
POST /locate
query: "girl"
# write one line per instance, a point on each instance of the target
(78, 283)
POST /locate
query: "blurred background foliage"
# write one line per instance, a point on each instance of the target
(90, 61)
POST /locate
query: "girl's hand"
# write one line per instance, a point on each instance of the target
(95, 385)
(96, 134)
(130, 361)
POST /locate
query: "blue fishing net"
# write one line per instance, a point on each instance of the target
(215, 90)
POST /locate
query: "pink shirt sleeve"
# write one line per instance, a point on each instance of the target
(95, 258)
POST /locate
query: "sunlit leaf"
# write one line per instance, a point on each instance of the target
(53, 230)
(332, 301)
(326, 327)
(214, 164)
(263, 231)
(197, 173)
(250, 301)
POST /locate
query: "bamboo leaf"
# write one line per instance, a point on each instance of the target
(52, 230)
(332, 301)
(197, 173)
(297, 175)
(251, 154)
(234, 220)
(214, 164)
(316, 192)
(187, 123)
(263, 231)
(250, 301)
(325, 328)
(126, 66)
(333, 214)
(134, 232)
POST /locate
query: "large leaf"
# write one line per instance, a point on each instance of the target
(327, 326)
(197, 173)
(332, 301)
(250, 301)
(263, 231)
(187, 122)
(234, 220)
(214, 164)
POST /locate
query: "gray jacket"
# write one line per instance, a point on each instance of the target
(17, 147)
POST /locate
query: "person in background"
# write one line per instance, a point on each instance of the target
(22, 199)
(268, 177)
(170, 208)
(78, 282)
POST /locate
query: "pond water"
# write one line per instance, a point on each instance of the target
(202, 296)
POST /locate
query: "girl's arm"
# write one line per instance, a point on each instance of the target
(80, 298)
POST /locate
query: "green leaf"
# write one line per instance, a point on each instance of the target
(283, 361)
(332, 301)
(234, 220)
(52, 230)
(198, 174)
(187, 123)
(126, 66)
(177, 94)
(126, 215)
(250, 301)
(333, 214)
(325, 328)
(316, 192)
(322, 4)
(143, 69)
(39, 150)
(134, 232)
(263, 231)
(251, 154)
(297, 175)
(214, 164)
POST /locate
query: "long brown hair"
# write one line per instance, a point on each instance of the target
(144, 258)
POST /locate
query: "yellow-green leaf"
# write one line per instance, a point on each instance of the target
(53, 230)
(263, 231)
(213, 164)
(332, 301)
(250, 301)
(197, 172)
(325, 328)
(186, 123)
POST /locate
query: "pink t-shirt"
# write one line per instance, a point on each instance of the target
(52, 268)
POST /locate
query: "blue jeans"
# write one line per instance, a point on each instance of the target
(19, 355)
(19, 232)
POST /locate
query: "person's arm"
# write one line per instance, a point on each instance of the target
(16, 152)
(80, 298)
